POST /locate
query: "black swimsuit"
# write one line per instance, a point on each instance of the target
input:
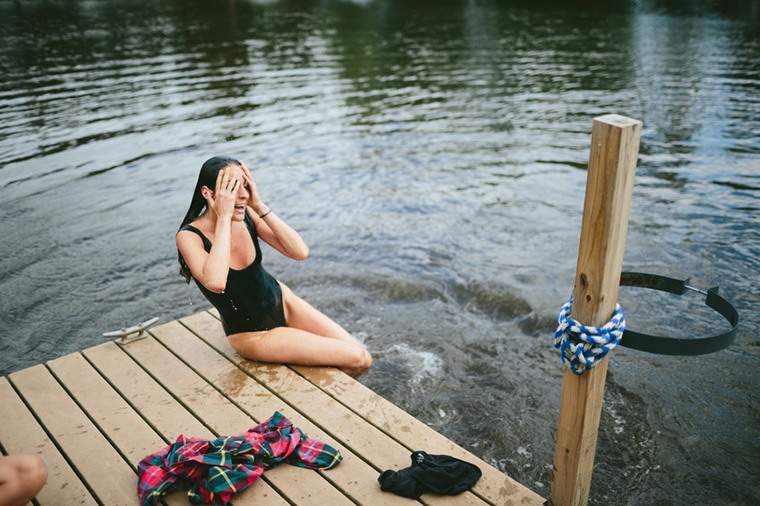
(252, 299)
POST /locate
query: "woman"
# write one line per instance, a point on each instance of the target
(263, 319)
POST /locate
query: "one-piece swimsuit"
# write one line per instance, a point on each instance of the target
(252, 298)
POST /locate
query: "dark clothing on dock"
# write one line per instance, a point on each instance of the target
(438, 474)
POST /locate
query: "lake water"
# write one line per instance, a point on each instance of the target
(432, 155)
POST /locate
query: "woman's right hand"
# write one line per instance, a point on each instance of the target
(223, 201)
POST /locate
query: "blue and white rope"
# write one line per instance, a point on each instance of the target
(583, 346)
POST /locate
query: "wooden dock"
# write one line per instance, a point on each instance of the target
(93, 415)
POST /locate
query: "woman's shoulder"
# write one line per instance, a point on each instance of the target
(196, 224)
(193, 233)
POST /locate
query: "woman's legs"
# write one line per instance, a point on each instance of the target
(287, 345)
(302, 315)
(311, 338)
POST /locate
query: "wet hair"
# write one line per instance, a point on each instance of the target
(207, 177)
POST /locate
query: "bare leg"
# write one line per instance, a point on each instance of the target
(302, 315)
(21, 478)
(287, 345)
(311, 338)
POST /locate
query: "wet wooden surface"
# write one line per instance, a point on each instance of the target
(92, 415)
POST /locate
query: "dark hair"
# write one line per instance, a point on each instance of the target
(207, 177)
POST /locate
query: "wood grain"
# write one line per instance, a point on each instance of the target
(606, 209)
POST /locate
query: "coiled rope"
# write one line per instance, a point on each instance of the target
(583, 346)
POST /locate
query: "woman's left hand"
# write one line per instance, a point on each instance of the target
(254, 201)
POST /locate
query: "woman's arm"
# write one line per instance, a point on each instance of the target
(209, 269)
(272, 229)
(217, 264)
(213, 266)
(278, 234)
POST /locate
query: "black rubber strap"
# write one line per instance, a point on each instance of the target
(674, 345)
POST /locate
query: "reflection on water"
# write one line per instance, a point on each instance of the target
(433, 157)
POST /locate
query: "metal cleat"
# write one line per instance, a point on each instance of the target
(124, 335)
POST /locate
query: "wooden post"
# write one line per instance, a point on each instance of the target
(609, 186)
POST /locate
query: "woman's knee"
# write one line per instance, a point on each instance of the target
(32, 474)
(36, 472)
(361, 359)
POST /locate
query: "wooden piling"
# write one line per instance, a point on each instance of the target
(607, 205)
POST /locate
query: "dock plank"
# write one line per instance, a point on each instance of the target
(164, 412)
(106, 473)
(114, 417)
(342, 424)
(353, 475)
(157, 405)
(301, 486)
(494, 486)
(20, 433)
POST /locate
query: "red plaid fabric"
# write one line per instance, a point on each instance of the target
(218, 468)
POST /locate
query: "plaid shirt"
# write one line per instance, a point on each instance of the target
(220, 467)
